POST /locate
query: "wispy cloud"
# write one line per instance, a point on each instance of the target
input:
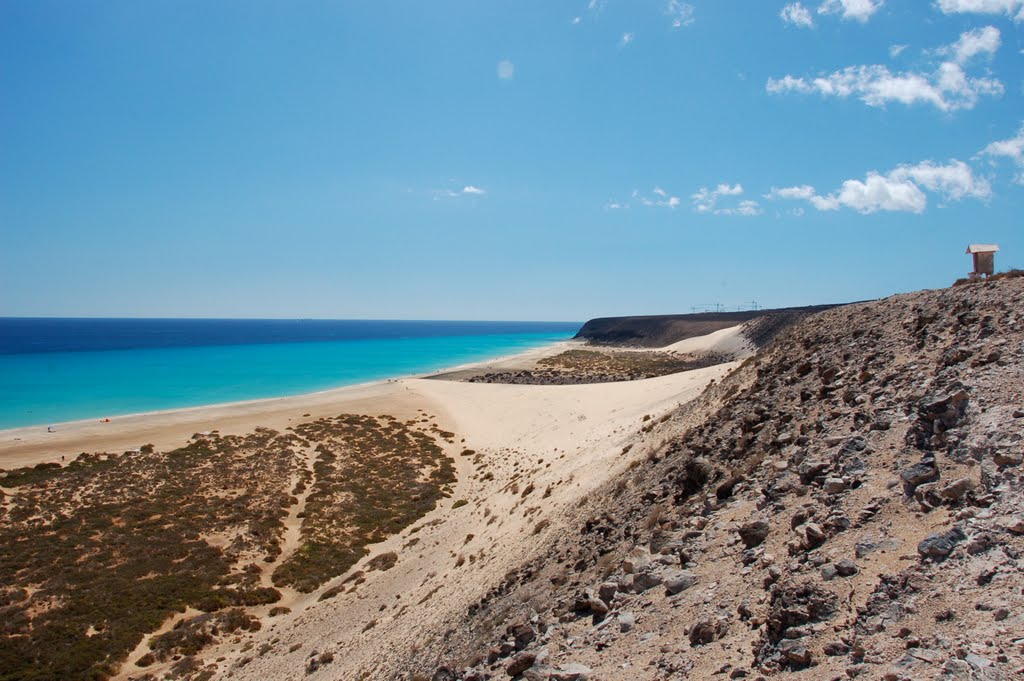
(681, 13)
(626, 39)
(896, 50)
(984, 41)
(1011, 8)
(657, 198)
(1011, 148)
(899, 190)
(449, 193)
(858, 10)
(506, 70)
(796, 14)
(707, 201)
(947, 87)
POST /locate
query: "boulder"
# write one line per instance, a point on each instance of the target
(753, 533)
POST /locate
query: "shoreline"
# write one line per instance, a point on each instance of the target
(30, 445)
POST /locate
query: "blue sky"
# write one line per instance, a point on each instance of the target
(499, 160)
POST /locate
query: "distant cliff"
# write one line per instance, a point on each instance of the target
(657, 331)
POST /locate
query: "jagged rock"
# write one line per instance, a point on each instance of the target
(646, 580)
(706, 630)
(606, 592)
(918, 474)
(678, 581)
(522, 633)
(814, 535)
(627, 621)
(958, 488)
(829, 572)
(939, 545)
(521, 663)
(753, 533)
(795, 653)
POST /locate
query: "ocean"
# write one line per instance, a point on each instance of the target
(55, 370)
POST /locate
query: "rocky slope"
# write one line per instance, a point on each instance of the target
(656, 331)
(847, 504)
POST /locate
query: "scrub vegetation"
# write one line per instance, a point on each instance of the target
(101, 552)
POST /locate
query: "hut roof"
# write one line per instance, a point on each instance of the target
(982, 248)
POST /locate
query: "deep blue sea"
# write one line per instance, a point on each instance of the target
(54, 370)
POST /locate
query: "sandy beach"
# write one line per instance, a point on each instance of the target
(31, 445)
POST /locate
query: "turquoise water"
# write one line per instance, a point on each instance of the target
(52, 387)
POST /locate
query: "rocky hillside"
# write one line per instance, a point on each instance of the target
(847, 504)
(657, 331)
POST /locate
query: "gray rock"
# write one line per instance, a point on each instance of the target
(958, 488)
(834, 485)
(918, 474)
(627, 621)
(939, 545)
(829, 572)
(678, 581)
(645, 580)
(846, 567)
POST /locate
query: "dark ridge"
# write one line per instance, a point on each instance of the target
(657, 331)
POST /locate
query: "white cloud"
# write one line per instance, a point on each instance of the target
(681, 13)
(1011, 148)
(575, 20)
(467, 190)
(804, 191)
(796, 14)
(627, 38)
(506, 69)
(1011, 8)
(658, 198)
(706, 201)
(899, 190)
(896, 50)
(859, 10)
(953, 181)
(947, 88)
(984, 41)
